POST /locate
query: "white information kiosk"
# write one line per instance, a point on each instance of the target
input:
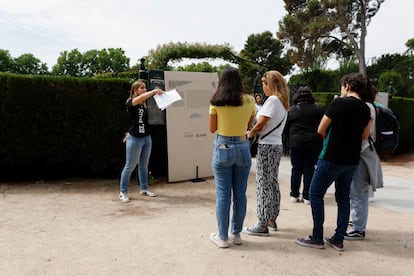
(189, 141)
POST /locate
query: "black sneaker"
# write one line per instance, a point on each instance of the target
(337, 245)
(355, 235)
(308, 242)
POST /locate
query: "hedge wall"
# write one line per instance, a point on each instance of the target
(61, 127)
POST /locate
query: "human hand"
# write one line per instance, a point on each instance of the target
(158, 91)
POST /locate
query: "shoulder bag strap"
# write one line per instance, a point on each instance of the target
(273, 129)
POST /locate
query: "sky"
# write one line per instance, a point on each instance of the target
(45, 28)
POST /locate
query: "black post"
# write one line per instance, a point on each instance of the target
(142, 73)
(390, 95)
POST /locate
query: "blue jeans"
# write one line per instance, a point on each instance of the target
(231, 167)
(303, 160)
(138, 151)
(325, 174)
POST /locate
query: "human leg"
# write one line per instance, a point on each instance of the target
(297, 161)
(132, 150)
(241, 171)
(342, 188)
(359, 194)
(310, 160)
(322, 179)
(146, 145)
(267, 187)
(222, 164)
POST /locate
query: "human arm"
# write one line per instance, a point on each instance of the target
(260, 124)
(146, 95)
(213, 123)
(324, 125)
(250, 123)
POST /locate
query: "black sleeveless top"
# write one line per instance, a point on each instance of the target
(138, 119)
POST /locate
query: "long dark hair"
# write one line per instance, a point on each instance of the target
(230, 89)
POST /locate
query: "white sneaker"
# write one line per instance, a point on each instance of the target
(294, 199)
(235, 239)
(306, 201)
(148, 193)
(123, 196)
(217, 241)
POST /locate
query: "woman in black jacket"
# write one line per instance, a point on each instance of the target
(304, 142)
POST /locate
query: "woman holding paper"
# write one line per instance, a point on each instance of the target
(138, 140)
(232, 110)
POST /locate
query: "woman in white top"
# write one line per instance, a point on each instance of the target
(271, 120)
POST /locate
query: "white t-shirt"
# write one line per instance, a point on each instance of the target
(272, 108)
(372, 131)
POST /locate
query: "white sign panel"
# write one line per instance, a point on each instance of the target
(189, 141)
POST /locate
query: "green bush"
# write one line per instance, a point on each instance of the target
(61, 126)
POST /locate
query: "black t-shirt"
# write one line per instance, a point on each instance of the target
(342, 144)
(138, 119)
(302, 124)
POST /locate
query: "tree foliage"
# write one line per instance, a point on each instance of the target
(90, 63)
(30, 65)
(6, 61)
(262, 52)
(397, 68)
(24, 64)
(318, 29)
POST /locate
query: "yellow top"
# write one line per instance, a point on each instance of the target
(233, 120)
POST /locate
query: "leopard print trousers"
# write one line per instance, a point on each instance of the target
(267, 185)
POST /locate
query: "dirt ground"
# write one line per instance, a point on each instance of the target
(79, 227)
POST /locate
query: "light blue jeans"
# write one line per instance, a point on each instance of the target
(231, 167)
(138, 151)
(359, 197)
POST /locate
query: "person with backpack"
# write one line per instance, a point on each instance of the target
(345, 123)
(367, 176)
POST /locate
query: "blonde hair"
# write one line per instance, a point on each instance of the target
(278, 86)
(134, 86)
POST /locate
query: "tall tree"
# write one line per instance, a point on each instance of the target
(322, 28)
(69, 64)
(261, 52)
(410, 46)
(29, 64)
(6, 61)
(90, 63)
(112, 60)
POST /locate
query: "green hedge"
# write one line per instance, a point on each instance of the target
(61, 126)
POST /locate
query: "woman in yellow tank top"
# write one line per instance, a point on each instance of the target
(232, 112)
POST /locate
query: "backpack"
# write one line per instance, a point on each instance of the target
(387, 132)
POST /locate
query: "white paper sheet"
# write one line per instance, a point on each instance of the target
(167, 98)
